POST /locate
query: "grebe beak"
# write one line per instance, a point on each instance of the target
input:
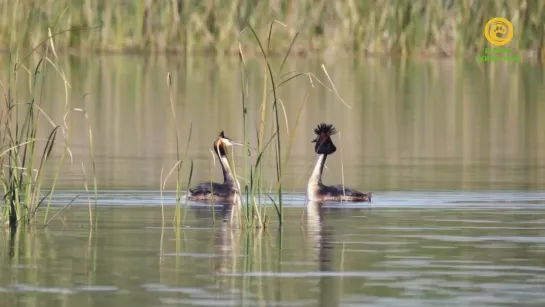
(229, 142)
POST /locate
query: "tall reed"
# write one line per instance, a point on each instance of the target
(254, 208)
(441, 27)
(177, 166)
(26, 144)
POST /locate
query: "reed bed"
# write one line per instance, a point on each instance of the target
(445, 27)
(29, 136)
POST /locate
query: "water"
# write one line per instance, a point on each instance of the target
(416, 125)
(406, 249)
(453, 151)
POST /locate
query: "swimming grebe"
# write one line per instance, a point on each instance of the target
(223, 192)
(316, 191)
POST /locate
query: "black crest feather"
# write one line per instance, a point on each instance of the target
(328, 129)
(324, 144)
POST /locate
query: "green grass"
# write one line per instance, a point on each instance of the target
(28, 135)
(441, 27)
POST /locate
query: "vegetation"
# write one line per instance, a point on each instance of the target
(251, 203)
(26, 141)
(443, 27)
(22, 132)
(243, 27)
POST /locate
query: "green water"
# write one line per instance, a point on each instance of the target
(453, 151)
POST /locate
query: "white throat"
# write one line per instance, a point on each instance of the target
(315, 178)
(229, 177)
(227, 173)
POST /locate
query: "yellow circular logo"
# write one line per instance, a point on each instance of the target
(498, 31)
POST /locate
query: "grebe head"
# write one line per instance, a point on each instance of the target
(324, 144)
(222, 142)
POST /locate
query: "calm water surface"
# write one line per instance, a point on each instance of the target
(415, 125)
(406, 249)
(455, 153)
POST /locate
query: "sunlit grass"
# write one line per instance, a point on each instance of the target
(376, 26)
(28, 135)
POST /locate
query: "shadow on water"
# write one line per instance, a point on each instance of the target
(253, 259)
(218, 211)
(12, 233)
(320, 238)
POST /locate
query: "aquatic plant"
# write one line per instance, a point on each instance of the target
(255, 212)
(26, 144)
(376, 26)
(177, 167)
(252, 198)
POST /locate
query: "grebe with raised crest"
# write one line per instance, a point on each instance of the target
(316, 191)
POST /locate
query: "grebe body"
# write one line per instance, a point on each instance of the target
(220, 192)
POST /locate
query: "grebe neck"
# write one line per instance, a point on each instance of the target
(318, 169)
(227, 173)
(315, 179)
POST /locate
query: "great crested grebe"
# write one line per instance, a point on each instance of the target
(221, 191)
(316, 191)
